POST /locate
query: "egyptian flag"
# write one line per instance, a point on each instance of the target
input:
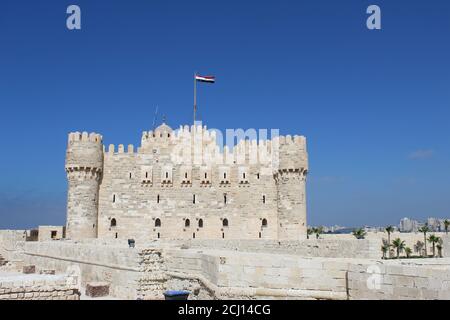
(210, 79)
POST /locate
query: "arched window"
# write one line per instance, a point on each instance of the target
(200, 223)
(167, 175)
(193, 199)
(157, 199)
(264, 199)
(114, 198)
(264, 223)
(224, 175)
(225, 198)
(257, 176)
(113, 222)
(243, 175)
(185, 175)
(206, 175)
(225, 222)
(187, 223)
(157, 222)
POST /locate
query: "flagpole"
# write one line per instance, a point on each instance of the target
(195, 95)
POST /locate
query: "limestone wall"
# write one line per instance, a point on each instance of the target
(229, 275)
(118, 264)
(350, 248)
(10, 242)
(50, 233)
(36, 287)
(415, 279)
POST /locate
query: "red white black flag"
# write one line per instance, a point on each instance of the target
(210, 79)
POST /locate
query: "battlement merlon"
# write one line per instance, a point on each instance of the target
(84, 150)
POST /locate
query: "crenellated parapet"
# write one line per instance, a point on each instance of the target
(84, 150)
(198, 145)
(120, 149)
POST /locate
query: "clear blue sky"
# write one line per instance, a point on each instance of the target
(374, 105)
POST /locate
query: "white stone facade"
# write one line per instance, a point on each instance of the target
(180, 185)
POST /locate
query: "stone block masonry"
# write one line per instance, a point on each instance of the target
(36, 287)
(412, 280)
(116, 264)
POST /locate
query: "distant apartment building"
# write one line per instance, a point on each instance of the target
(408, 225)
(436, 224)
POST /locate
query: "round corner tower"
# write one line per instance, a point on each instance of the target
(84, 166)
(290, 177)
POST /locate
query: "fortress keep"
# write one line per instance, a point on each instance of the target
(179, 184)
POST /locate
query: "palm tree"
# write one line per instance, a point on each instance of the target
(318, 231)
(408, 251)
(425, 229)
(399, 245)
(418, 247)
(359, 233)
(433, 239)
(389, 230)
(309, 232)
(439, 247)
(446, 224)
(384, 249)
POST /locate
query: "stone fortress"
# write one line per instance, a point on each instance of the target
(180, 185)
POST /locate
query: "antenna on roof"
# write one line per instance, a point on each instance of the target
(154, 119)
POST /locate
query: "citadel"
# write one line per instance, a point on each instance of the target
(180, 185)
